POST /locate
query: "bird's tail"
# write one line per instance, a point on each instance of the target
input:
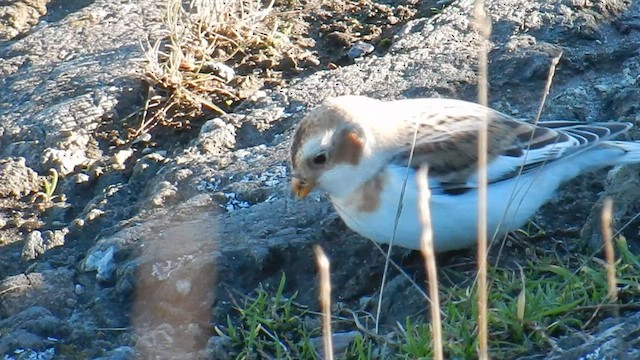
(631, 151)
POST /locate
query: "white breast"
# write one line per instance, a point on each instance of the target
(454, 217)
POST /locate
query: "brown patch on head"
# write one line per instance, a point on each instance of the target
(348, 148)
(368, 194)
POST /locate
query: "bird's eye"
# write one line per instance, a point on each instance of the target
(320, 159)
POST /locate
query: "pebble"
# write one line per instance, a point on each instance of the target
(79, 289)
(360, 49)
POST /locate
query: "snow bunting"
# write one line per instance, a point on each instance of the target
(357, 149)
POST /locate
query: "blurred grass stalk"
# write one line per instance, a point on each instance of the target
(426, 246)
(483, 25)
(325, 301)
(607, 237)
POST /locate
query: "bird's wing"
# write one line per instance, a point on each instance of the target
(447, 141)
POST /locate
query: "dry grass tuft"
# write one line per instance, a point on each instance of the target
(190, 69)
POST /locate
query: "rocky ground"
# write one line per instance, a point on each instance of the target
(139, 246)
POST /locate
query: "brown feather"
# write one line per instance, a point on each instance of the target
(450, 147)
(348, 148)
(367, 196)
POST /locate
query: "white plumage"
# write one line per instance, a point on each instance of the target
(357, 149)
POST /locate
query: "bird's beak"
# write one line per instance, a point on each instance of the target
(300, 188)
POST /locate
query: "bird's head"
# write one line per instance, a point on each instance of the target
(331, 147)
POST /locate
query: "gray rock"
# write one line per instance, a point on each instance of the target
(221, 70)
(35, 312)
(101, 260)
(340, 342)
(217, 348)
(38, 243)
(19, 16)
(360, 49)
(67, 81)
(21, 340)
(615, 338)
(48, 327)
(621, 187)
(18, 179)
(49, 288)
(216, 136)
(120, 353)
(31, 333)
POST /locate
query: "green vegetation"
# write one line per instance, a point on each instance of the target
(45, 199)
(270, 326)
(530, 305)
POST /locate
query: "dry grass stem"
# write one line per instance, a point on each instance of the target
(325, 301)
(395, 228)
(484, 26)
(426, 246)
(607, 237)
(547, 86)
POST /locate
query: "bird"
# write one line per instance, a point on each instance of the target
(363, 152)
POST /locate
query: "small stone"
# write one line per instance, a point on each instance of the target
(221, 70)
(216, 136)
(144, 138)
(78, 289)
(341, 341)
(120, 158)
(103, 262)
(339, 39)
(81, 178)
(287, 63)
(183, 286)
(218, 347)
(360, 49)
(260, 94)
(77, 223)
(71, 302)
(94, 214)
(38, 243)
(311, 61)
(64, 160)
(18, 180)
